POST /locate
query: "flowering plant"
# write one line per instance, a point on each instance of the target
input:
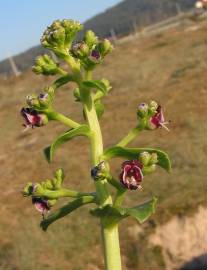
(82, 58)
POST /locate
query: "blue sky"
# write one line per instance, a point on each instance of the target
(23, 21)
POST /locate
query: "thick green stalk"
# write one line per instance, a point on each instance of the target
(112, 257)
(110, 235)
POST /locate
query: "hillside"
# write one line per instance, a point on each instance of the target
(169, 68)
(122, 18)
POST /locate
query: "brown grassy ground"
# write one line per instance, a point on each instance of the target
(169, 68)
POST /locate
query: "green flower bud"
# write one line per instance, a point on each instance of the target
(28, 189)
(45, 65)
(71, 29)
(80, 50)
(144, 158)
(90, 39)
(32, 101)
(149, 169)
(76, 94)
(105, 47)
(50, 90)
(152, 107)
(153, 159)
(38, 189)
(58, 180)
(51, 203)
(48, 184)
(45, 100)
(142, 110)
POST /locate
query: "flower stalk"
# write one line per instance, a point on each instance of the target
(82, 58)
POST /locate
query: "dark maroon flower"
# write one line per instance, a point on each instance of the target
(41, 205)
(32, 118)
(131, 175)
(157, 120)
(96, 54)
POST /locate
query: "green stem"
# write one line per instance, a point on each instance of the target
(130, 136)
(62, 118)
(119, 197)
(110, 235)
(56, 194)
(111, 247)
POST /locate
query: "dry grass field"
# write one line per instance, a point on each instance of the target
(169, 68)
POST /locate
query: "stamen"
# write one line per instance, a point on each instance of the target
(164, 126)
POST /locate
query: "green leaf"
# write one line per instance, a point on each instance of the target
(96, 84)
(133, 153)
(112, 215)
(142, 212)
(62, 80)
(83, 130)
(65, 210)
(99, 108)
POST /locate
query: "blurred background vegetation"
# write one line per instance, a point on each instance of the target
(169, 67)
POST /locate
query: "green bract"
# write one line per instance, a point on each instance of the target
(77, 60)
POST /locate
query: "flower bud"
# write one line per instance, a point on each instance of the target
(98, 172)
(28, 189)
(32, 101)
(90, 39)
(80, 50)
(144, 158)
(153, 107)
(51, 203)
(149, 169)
(142, 110)
(153, 159)
(71, 29)
(44, 100)
(131, 175)
(105, 47)
(58, 180)
(50, 90)
(76, 94)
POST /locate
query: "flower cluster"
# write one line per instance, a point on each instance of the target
(133, 171)
(60, 35)
(38, 192)
(45, 65)
(151, 116)
(91, 51)
(34, 115)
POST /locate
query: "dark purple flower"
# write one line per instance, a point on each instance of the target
(41, 205)
(95, 56)
(131, 175)
(157, 120)
(32, 118)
